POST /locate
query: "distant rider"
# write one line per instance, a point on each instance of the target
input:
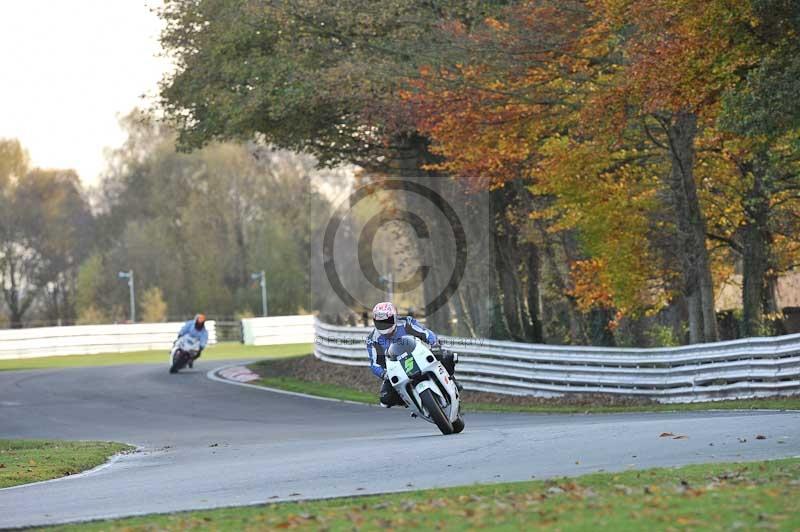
(196, 328)
(389, 328)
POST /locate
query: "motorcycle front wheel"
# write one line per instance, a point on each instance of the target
(178, 361)
(435, 412)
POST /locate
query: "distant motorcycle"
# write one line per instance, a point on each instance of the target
(424, 384)
(184, 349)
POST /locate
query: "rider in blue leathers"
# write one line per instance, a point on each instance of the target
(196, 328)
(388, 329)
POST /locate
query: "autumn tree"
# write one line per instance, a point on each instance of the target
(761, 110)
(46, 230)
(196, 225)
(312, 76)
(503, 117)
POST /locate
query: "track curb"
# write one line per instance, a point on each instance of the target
(214, 375)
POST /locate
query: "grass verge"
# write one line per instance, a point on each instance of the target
(706, 496)
(318, 389)
(221, 351)
(25, 461)
(348, 394)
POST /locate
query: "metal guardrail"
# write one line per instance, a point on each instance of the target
(89, 339)
(753, 367)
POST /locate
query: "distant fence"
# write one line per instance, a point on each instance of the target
(278, 330)
(229, 330)
(753, 367)
(88, 339)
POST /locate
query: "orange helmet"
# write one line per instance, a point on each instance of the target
(200, 322)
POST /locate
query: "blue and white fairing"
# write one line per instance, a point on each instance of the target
(414, 370)
(378, 344)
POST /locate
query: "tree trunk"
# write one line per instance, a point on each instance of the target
(691, 227)
(694, 315)
(756, 243)
(409, 164)
(508, 287)
(755, 249)
(239, 236)
(534, 332)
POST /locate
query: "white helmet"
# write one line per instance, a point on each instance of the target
(384, 316)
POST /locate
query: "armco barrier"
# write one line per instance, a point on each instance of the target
(88, 339)
(278, 330)
(753, 367)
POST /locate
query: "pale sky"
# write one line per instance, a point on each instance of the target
(68, 68)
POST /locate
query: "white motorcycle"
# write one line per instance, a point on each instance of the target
(183, 350)
(424, 384)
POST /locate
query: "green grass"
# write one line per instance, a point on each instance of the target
(348, 394)
(24, 461)
(707, 496)
(319, 389)
(221, 351)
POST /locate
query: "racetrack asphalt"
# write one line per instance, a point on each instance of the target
(208, 444)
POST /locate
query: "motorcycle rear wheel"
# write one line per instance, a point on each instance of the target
(435, 411)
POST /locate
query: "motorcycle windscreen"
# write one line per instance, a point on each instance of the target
(403, 346)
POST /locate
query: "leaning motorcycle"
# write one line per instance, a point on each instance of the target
(183, 350)
(424, 384)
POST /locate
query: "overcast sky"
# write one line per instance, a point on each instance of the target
(68, 68)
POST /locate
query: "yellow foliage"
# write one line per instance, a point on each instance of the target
(154, 306)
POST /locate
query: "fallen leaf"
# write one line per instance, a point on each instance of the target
(214, 445)
(294, 494)
(623, 488)
(666, 435)
(681, 437)
(761, 437)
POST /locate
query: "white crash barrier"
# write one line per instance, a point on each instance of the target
(752, 367)
(278, 330)
(91, 339)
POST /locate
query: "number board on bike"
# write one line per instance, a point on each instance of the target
(409, 365)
